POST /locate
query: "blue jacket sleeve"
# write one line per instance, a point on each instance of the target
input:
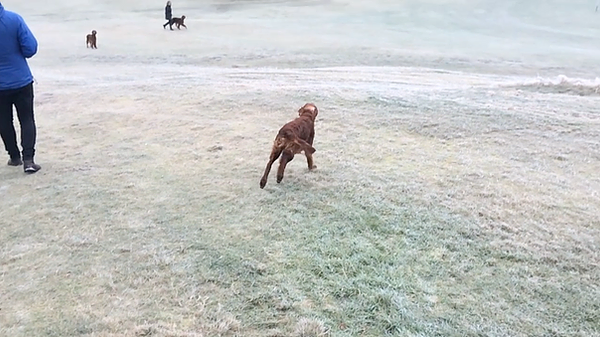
(29, 44)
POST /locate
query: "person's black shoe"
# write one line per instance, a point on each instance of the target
(30, 167)
(15, 162)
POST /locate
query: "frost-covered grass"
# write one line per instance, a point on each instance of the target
(455, 201)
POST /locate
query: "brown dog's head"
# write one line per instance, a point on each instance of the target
(182, 18)
(94, 32)
(309, 109)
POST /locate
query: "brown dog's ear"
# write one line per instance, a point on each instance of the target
(301, 110)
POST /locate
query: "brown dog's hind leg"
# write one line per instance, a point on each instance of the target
(286, 157)
(275, 153)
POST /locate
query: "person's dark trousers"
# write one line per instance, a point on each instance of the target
(22, 99)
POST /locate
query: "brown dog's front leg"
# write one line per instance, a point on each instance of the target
(309, 159)
(275, 153)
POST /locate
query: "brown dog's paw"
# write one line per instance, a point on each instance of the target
(263, 182)
(314, 167)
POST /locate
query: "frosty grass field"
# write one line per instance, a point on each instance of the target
(457, 189)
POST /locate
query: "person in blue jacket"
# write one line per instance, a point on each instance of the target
(17, 44)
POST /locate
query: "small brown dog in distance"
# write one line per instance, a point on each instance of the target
(293, 138)
(90, 40)
(178, 22)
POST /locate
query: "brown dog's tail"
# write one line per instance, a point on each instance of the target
(295, 142)
(305, 146)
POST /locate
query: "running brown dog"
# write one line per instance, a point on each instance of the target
(294, 137)
(90, 40)
(178, 22)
